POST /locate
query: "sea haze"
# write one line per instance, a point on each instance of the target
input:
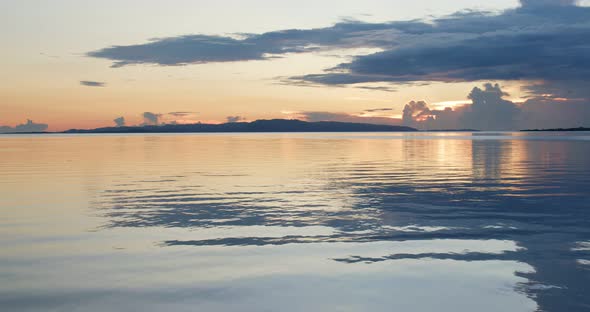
(415, 221)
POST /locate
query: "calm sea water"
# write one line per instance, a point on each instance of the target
(295, 222)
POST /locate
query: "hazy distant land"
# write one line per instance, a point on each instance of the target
(559, 129)
(274, 125)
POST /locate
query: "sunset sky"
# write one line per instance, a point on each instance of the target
(494, 65)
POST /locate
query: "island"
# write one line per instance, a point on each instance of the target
(272, 125)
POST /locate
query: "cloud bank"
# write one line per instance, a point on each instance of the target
(29, 126)
(544, 41)
(489, 110)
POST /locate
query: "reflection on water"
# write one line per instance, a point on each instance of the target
(354, 222)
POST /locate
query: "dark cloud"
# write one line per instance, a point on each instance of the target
(378, 88)
(151, 119)
(344, 117)
(235, 118)
(197, 49)
(89, 83)
(559, 89)
(375, 110)
(181, 114)
(29, 126)
(119, 121)
(541, 40)
(530, 3)
(533, 43)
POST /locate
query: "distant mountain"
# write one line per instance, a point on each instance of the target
(274, 125)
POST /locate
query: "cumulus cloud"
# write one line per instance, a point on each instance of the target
(151, 119)
(119, 121)
(414, 112)
(88, 83)
(29, 126)
(489, 110)
(417, 114)
(235, 118)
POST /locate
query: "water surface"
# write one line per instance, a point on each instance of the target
(295, 222)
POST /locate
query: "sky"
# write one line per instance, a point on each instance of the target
(495, 65)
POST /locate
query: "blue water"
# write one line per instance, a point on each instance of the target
(295, 222)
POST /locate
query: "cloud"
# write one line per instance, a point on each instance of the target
(29, 126)
(532, 3)
(541, 40)
(555, 113)
(89, 83)
(119, 121)
(151, 119)
(414, 112)
(199, 48)
(378, 88)
(179, 117)
(542, 43)
(235, 118)
(559, 89)
(375, 110)
(181, 114)
(417, 114)
(529, 43)
(488, 111)
(557, 104)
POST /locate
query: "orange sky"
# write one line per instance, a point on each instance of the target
(43, 61)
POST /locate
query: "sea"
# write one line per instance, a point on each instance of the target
(421, 221)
